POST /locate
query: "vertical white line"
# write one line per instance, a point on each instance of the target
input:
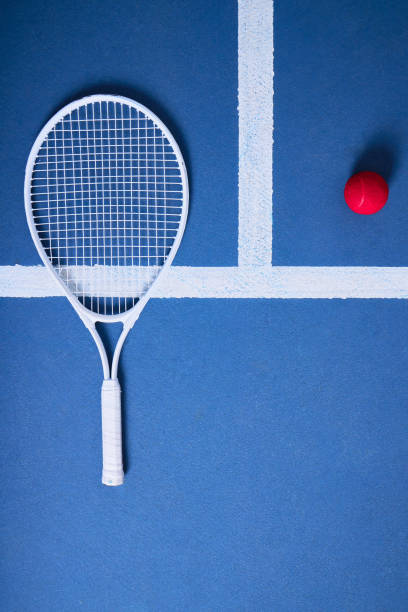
(164, 201)
(52, 151)
(74, 201)
(131, 201)
(47, 191)
(156, 201)
(105, 198)
(111, 225)
(147, 194)
(88, 204)
(81, 162)
(115, 116)
(64, 166)
(124, 186)
(139, 215)
(255, 104)
(95, 194)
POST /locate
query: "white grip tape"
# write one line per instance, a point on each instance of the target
(112, 473)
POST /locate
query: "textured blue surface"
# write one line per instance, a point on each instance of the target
(340, 106)
(266, 471)
(266, 443)
(178, 59)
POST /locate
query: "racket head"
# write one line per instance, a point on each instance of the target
(136, 212)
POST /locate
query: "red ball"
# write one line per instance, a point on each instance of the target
(366, 193)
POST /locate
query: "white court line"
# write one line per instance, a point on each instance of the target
(255, 106)
(283, 282)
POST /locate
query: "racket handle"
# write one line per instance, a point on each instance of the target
(112, 473)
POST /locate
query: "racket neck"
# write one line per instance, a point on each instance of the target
(109, 372)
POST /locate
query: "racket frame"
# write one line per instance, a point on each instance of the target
(88, 317)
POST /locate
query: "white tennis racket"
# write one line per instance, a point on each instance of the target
(106, 198)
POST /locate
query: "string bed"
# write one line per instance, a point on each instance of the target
(107, 197)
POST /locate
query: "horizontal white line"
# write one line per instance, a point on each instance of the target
(282, 282)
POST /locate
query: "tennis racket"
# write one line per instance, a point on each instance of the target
(106, 198)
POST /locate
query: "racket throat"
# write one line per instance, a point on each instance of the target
(109, 345)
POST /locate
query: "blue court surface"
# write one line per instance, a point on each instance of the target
(265, 387)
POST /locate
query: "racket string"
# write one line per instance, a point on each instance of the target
(107, 200)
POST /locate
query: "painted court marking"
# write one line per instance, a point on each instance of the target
(283, 282)
(255, 105)
(255, 277)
